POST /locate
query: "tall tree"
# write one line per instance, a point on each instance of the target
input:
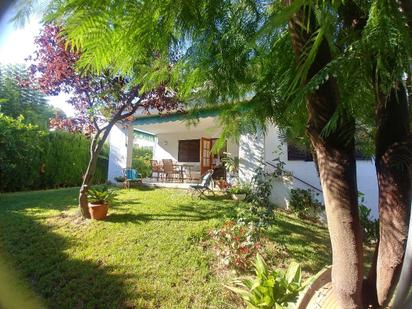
(18, 100)
(100, 100)
(335, 155)
(393, 142)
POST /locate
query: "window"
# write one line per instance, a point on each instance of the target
(298, 154)
(189, 150)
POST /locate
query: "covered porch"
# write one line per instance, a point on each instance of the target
(187, 146)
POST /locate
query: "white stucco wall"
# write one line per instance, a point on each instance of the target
(305, 170)
(118, 152)
(251, 155)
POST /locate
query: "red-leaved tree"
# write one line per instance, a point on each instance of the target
(100, 101)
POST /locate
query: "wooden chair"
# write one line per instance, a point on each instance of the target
(169, 169)
(156, 168)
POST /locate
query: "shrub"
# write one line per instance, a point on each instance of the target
(120, 178)
(35, 159)
(370, 226)
(270, 289)
(236, 244)
(21, 150)
(304, 204)
(141, 160)
(242, 188)
(231, 163)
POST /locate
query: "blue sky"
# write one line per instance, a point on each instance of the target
(17, 43)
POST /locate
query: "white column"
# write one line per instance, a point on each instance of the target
(118, 152)
(129, 146)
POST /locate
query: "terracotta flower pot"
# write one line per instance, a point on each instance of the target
(98, 211)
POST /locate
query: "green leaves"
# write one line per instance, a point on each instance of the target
(270, 289)
(101, 196)
(34, 159)
(294, 274)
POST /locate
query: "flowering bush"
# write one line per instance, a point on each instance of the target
(236, 245)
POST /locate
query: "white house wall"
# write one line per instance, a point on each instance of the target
(251, 155)
(306, 171)
(118, 152)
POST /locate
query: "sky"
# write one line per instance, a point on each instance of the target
(17, 43)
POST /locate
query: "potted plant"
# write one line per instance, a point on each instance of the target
(99, 200)
(239, 192)
(120, 178)
(232, 166)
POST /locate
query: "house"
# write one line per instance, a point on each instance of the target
(171, 137)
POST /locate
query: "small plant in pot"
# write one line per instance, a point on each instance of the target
(99, 201)
(120, 178)
(240, 191)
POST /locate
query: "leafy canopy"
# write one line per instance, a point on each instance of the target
(213, 51)
(18, 101)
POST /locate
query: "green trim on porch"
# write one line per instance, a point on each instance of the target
(153, 119)
(189, 115)
(139, 134)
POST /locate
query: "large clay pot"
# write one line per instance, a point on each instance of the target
(98, 211)
(319, 293)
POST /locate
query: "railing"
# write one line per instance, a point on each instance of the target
(301, 180)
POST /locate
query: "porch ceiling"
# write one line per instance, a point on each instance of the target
(209, 124)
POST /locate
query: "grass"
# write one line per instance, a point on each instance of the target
(146, 255)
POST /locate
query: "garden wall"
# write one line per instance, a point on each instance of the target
(32, 159)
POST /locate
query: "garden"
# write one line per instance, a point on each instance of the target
(334, 77)
(158, 248)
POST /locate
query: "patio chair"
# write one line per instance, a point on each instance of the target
(169, 169)
(131, 177)
(204, 186)
(156, 168)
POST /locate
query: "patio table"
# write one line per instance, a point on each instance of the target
(181, 168)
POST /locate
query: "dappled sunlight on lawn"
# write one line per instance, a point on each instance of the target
(149, 253)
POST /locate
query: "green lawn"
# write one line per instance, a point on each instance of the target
(148, 253)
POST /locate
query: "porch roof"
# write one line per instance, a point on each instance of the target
(206, 126)
(177, 116)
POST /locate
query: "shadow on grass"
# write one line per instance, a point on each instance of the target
(198, 210)
(306, 245)
(145, 217)
(38, 255)
(142, 187)
(59, 199)
(128, 202)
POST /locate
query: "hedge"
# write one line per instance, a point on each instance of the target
(33, 159)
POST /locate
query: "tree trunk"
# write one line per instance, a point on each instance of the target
(393, 160)
(87, 180)
(335, 153)
(338, 178)
(95, 149)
